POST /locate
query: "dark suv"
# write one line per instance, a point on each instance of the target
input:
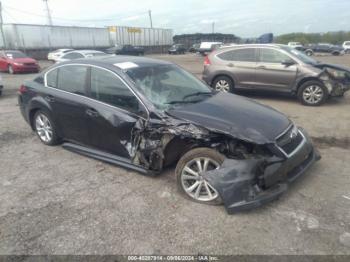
(278, 68)
(126, 50)
(177, 49)
(323, 48)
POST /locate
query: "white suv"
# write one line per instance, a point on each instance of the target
(295, 44)
(346, 46)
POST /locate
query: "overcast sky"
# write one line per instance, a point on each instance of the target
(245, 18)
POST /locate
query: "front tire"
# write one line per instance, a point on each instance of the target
(312, 93)
(223, 84)
(45, 129)
(189, 180)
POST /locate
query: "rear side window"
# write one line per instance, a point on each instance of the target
(244, 55)
(51, 78)
(73, 56)
(272, 56)
(72, 78)
(108, 88)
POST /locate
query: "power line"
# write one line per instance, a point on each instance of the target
(49, 19)
(69, 19)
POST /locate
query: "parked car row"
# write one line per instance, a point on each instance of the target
(145, 114)
(311, 49)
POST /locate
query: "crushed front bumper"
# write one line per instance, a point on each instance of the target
(250, 183)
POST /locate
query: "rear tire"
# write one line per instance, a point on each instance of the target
(45, 128)
(223, 84)
(312, 93)
(309, 52)
(10, 70)
(189, 180)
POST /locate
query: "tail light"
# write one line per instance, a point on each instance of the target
(23, 89)
(206, 61)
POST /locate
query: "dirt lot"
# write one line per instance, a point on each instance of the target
(53, 201)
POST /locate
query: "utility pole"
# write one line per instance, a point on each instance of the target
(1, 27)
(49, 18)
(150, 17)
(212, 27)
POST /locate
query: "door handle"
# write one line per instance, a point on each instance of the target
(261, 67)
(49, 98)
(91, 112)
(230, 65)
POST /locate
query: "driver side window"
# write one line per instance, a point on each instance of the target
(272, 56)
(108, 88)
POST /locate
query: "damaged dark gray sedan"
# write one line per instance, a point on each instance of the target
(146, 114)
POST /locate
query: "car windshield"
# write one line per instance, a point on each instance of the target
(168, 85)
(300, 55)
(15, 54)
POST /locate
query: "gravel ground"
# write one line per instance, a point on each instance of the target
(53, 201)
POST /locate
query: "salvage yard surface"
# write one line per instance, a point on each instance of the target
(53, 201)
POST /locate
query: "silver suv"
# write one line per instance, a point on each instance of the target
(275, 68)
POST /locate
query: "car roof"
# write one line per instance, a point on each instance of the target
(87, 51)
(250, 45)
(109, 61)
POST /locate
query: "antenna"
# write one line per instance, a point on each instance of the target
(49, 18)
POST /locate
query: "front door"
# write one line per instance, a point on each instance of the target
(271, 71)
(113, 113)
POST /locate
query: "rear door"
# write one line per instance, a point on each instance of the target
(240, 64)
(113, 113)
(67, 97)
(272, 73)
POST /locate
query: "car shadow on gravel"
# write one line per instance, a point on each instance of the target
(285, 97)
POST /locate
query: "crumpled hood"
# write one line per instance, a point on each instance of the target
(338, 67)
(239, 117)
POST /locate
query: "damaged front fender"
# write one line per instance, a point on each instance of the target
(335, 78)
(248, 183)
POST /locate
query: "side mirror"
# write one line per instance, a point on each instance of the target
(288, 62)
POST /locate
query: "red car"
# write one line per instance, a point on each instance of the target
(16, 62)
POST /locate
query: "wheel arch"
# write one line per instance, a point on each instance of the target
(37, 104)
(304, 80)
(175, 149)
(223, 74)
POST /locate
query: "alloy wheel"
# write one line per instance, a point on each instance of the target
(43, 128)
(313, 94)
(222, 85)
(194, 183)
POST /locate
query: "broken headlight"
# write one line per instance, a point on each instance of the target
(337, 74)
(243, 150)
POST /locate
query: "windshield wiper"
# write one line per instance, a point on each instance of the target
(197, 94)
(181, 102)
